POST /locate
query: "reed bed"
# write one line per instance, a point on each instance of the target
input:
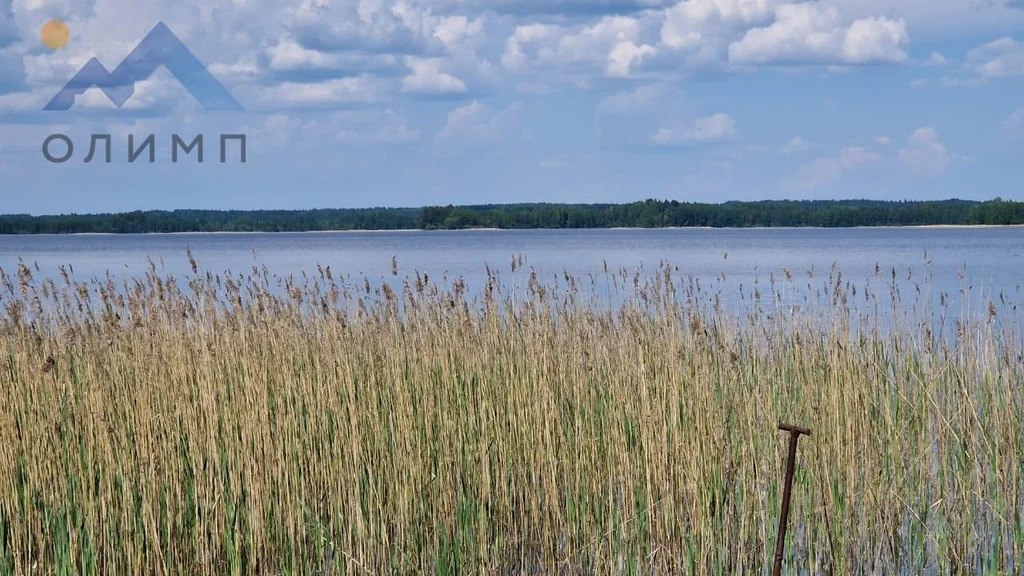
(327, 424)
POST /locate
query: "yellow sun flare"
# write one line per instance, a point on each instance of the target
(55, 34)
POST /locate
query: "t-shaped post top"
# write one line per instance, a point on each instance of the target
(798, 430)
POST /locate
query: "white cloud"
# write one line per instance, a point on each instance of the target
(998, 59)
(708, 130)
(479, 123)
(371, 127)
(371, 25)
(965, 82)
(824, 170)
(625, 55)
(640, 99)
(44, 69)
(455, 31)
(428, 78)
(596, 42)
(937, 59)
(808, 33)
(1014, 125)
(795, 145)
(883, 141)
(439, 47)
(514, 57)
(21, 102)
(289, 55)
(925, 154)
(690, 23)
(611, 46)
(161, 90)
(277, 130)
(358, 127)
(246, 68)
(359, 89)
(875, 40)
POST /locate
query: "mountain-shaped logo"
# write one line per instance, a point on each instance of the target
(159, 48)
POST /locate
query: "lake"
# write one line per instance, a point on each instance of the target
(988, 261)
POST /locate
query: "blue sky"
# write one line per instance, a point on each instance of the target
(404, 103)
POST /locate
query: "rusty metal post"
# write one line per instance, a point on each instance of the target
(780, 542)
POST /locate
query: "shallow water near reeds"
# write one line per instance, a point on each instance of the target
(987, 262)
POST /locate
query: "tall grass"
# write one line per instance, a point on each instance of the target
(249, 424)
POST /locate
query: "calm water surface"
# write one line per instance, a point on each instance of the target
(988, 260)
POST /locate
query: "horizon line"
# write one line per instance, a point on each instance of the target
(503, 204)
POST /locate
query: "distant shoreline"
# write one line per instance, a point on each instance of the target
(942, 226)
(609, 229)
(646, 215)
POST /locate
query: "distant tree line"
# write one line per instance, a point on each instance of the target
(648, 214)
(773, 213)
(214, 221)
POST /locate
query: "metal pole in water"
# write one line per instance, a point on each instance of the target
(780, 542)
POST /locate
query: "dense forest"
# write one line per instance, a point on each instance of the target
(214, 221)
(648, 214)
(655, 214)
